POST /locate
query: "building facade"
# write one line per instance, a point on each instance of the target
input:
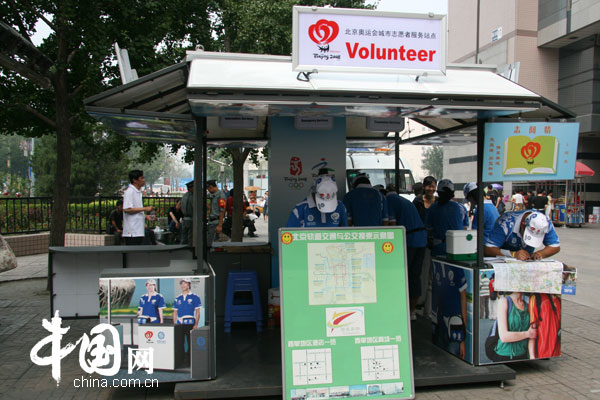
(551, 47)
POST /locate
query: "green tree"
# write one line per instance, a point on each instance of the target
(433, 161)
(94, 166)
(13, 159)
(42, 87)
(261, 26)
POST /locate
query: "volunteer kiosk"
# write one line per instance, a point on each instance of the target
(342, 87)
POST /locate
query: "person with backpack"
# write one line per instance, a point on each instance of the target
(544, 315)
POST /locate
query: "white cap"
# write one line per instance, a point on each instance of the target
(535, 229)
(151, 282)
(188, 280)
(469, 187)
(326, 193)
(445, 184)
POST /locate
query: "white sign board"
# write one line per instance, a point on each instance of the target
(313, 123)
(496, 34)
(375, 124)
(236, 122)
(330, 39)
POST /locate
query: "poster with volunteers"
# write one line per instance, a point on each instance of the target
(345, 315)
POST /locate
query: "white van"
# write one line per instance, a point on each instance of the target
(379, 166)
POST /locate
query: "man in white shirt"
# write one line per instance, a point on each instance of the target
(518, 201)
(133, 210)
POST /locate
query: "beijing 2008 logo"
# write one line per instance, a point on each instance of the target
(323, 32)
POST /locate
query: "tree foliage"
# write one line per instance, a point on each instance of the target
(95, 167)
(261, 26)
(42, 86)
(433, 161)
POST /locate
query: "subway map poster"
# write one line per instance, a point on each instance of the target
(345, 315)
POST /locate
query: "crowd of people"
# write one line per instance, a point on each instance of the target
(128, 220)
(525, 233)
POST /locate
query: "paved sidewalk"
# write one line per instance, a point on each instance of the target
(576, 375)
(28, 267)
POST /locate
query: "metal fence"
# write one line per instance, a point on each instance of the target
(84, 214)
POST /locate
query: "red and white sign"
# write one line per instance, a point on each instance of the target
(330, 39)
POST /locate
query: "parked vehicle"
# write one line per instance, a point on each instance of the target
(379, 165)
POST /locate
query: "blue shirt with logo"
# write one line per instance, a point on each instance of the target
(445, 217)
(150, 306)
(186, 306)
(366, 206)
(307, 215)
(404, 213)
(506, 233)
(448, 282)
(490, 215)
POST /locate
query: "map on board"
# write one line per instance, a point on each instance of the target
(379, 362)
(534, 277)
(341, 273)
(312, 366)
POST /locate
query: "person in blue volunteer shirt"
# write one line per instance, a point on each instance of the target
(402, 212)
(320, 208)
(518, 234)
(186, 308)
(445, 215)
(186, 312)
(365, 205)
(449, 307)
(151, 305)
(490, 212)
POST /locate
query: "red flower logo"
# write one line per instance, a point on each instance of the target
(530, 151)
(148, 335)
(323, 31)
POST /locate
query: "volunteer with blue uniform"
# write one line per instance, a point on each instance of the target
(365, 205)
(186, 308)
(151, 305)
(321, 208)
(490, 212)
(449, 308)
(445, 215)
(518, 234)
(403, 212)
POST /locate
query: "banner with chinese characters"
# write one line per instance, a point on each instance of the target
(345, 315)
(330, 39)
(539, 151)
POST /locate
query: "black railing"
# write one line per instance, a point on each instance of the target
(84, 214)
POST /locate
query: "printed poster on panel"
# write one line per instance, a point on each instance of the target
(345, 319)
(515, 151)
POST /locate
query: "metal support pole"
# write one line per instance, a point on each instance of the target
(199, 212)
(480, 244)
(397, 162)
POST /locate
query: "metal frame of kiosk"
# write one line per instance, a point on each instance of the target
(200, 90)
(74, 272)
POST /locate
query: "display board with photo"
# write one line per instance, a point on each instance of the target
(516, 326)
(452, 309)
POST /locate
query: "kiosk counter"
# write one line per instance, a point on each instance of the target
(503, 311)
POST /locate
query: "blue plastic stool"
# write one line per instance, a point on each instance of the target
(236, 310)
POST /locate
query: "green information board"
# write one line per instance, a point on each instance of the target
(345, 315)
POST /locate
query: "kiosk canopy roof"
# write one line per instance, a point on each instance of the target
(225, 84)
